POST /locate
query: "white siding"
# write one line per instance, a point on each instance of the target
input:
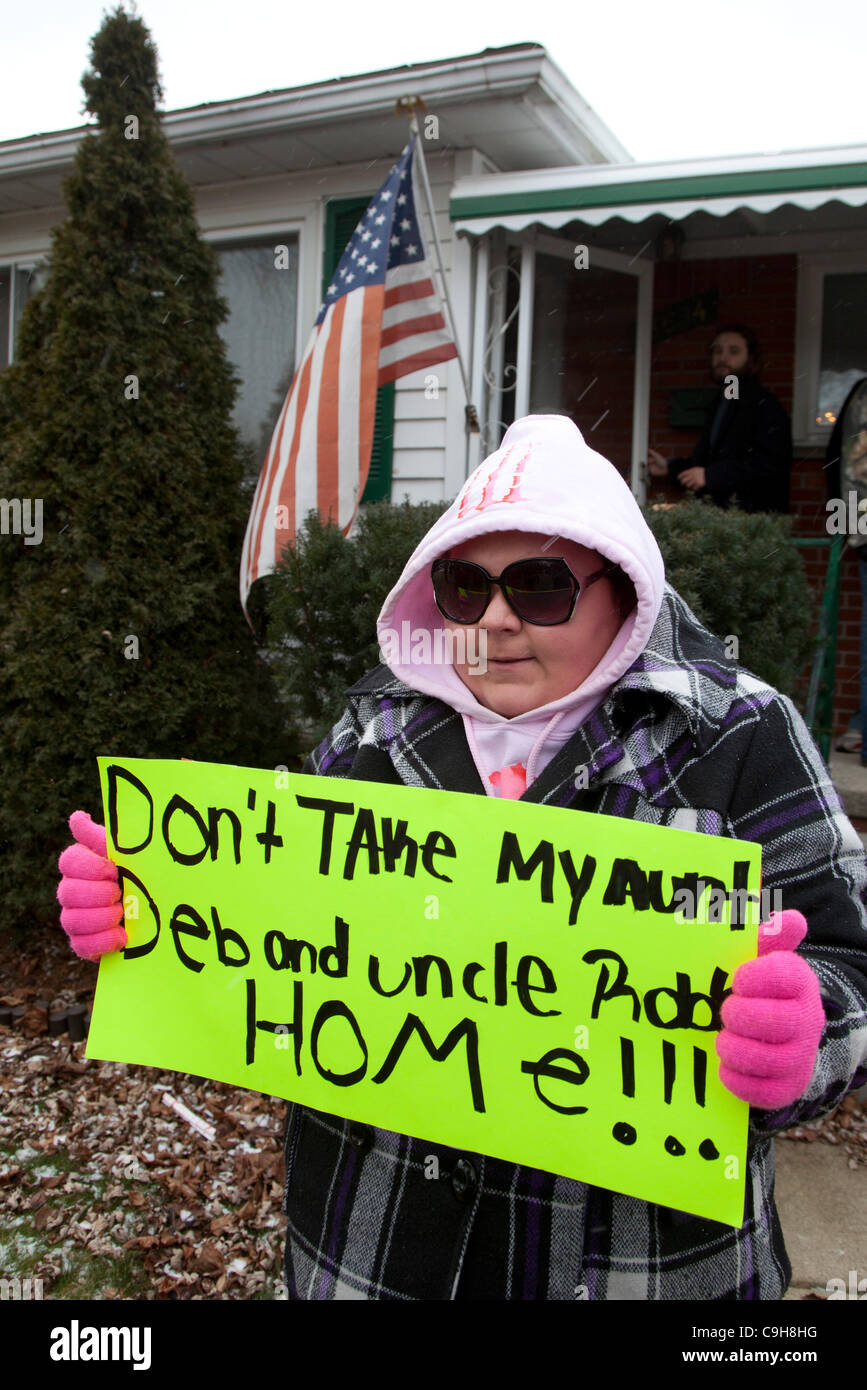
(430, 447)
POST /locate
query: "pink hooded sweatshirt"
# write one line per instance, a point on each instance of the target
(545, 479)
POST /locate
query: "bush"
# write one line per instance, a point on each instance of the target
(740, 575)
(120, 631)
(324, 600)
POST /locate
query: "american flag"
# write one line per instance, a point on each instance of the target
(380, 320)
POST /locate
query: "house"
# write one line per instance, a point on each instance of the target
(581, 281)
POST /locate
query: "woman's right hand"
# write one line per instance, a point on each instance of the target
(89, 892)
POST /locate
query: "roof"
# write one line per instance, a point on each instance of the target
(513, 104)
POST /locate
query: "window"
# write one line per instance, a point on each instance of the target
(259, 281)
(831, 341)
(843, 356)
(18, 284)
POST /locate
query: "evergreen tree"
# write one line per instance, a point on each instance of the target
(121, 632)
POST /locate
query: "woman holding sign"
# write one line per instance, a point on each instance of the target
(588, 683)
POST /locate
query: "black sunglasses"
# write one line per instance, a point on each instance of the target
(541, 591)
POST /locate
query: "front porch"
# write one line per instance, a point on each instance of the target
(598, 289)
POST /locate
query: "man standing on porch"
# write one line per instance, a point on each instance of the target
(744, 454)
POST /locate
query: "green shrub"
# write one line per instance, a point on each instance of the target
(742, 577)
(121, 631)
(324, 601)
(740, 574)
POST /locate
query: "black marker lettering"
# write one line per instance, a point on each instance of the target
(294, 1028)
(627, 878)
(179, 803)
(363, 837)
(523, 986)
(196, 927)
(113, 771)
(224, 935)
(575, 1074)
(335, 1008)
(330, 809)
(466, 1028)
(577, 886)
(512, 858)
(618, 990)
(421, 965)
(130, 952)
(431, 847)
(394, 844)
(266, 837)
(214, 814)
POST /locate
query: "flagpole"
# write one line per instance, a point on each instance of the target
(410, 104)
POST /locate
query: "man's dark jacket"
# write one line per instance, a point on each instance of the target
(751, 457)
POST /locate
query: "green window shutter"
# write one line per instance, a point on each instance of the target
(341, 218)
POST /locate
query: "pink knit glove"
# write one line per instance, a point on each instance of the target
(772, 1020)
(89, 892)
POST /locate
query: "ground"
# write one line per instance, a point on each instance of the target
(107, 1191)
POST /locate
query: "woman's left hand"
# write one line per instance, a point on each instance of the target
(772, 1020)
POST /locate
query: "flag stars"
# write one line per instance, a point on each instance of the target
(371, 269)
(380, 219)
(401, 198)
(385, 196)
(377, 241)
(349, 277)
(332, 289)
(366, 235)
(395, 241)
(412, 250)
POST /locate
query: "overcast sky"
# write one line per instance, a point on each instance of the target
(674, 79)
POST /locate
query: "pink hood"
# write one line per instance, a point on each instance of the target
(543, 478)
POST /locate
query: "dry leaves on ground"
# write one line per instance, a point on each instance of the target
(846, 1126)
(93, 1161)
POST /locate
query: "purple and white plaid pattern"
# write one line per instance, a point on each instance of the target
(684, 739)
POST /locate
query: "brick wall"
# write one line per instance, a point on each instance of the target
(761, 292)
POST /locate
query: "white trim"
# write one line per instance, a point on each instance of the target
(641, 397)
(480, 250)
(812, 269)
(456, 448)
(492, 410)
(500, 76)
(524, 362)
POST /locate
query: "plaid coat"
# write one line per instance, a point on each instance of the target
(684, 739)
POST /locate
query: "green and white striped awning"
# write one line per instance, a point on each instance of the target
(596, 193)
